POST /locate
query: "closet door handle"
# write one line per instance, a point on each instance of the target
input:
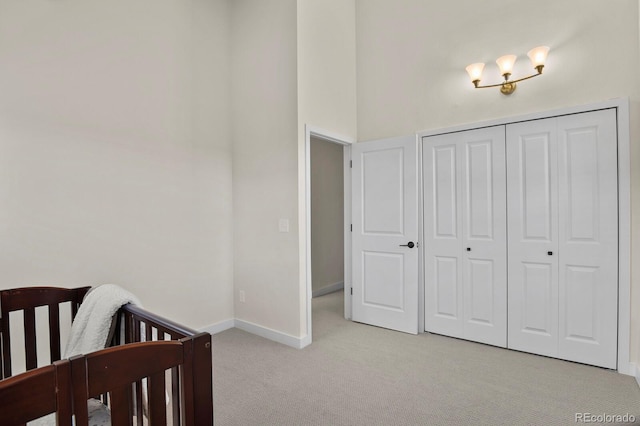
(410, 244)
(550, 253)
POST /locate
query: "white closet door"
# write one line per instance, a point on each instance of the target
(484, 242)
(563, 237)
(532, 203)
(588, 238)
(465, 246)
(443, 235)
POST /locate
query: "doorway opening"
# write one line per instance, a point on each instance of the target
(328, 218)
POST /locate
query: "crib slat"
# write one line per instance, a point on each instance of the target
(6, 347)
(157, 408)
(75, 304)
(175, 395)
(1, 363)
(139, 412)
(30, 338)
(54, 332)
(129, 328)
(121, 406)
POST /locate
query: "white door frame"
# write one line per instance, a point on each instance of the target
(625, 366)
(346, 142)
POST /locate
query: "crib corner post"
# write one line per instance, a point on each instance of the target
(198, 348)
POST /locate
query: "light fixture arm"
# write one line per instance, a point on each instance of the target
(537, 55)
(508, 86)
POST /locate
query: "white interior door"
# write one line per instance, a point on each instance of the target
(465, 235)
(588, 238)
(532, 176)
(385, 233)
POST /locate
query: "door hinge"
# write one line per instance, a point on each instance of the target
(351, 227)
(351, 164)
(352, 291)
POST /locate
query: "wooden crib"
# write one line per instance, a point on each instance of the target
(158, 372)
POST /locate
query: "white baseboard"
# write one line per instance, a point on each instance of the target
(328, 289)
(628, 369)
(258, 330)
(634, 371)
(219, 326)
(267, 333)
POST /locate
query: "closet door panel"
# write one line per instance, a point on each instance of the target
(588, 243)
(446, 296)
(480, 292)
(533, 237)
(537, 309)
(484, 235)
(479, 211)
(465, 235)
(442, 226)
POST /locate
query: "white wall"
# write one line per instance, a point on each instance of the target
(265, 167)
(327, 65)
(411, 56)
(327, 214)
(326, 60)
(116, 122)
(118, 126)
(115, 161)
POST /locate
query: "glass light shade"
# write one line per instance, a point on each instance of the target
(506, 63)
(538, 55)
(475, 71)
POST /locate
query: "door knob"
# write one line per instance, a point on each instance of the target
(410, 244)
(550, 253)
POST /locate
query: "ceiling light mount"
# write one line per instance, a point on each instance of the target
(537, 55)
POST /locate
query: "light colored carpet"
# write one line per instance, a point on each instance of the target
(354, 374)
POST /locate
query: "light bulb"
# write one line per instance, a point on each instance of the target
(475, 71)
(538, 55)
(506, 63)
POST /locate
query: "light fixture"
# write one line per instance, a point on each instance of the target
(537, 56)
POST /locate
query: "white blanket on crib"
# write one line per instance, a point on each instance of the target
(92, 323)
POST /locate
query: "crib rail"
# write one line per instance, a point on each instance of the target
(64, 388)
(26, 300)
(189, 385)
(36, 393)
(135, 324)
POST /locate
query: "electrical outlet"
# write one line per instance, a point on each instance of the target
(242, 298)
(283, 225)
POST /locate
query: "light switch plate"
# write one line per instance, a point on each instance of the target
(283, 225)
